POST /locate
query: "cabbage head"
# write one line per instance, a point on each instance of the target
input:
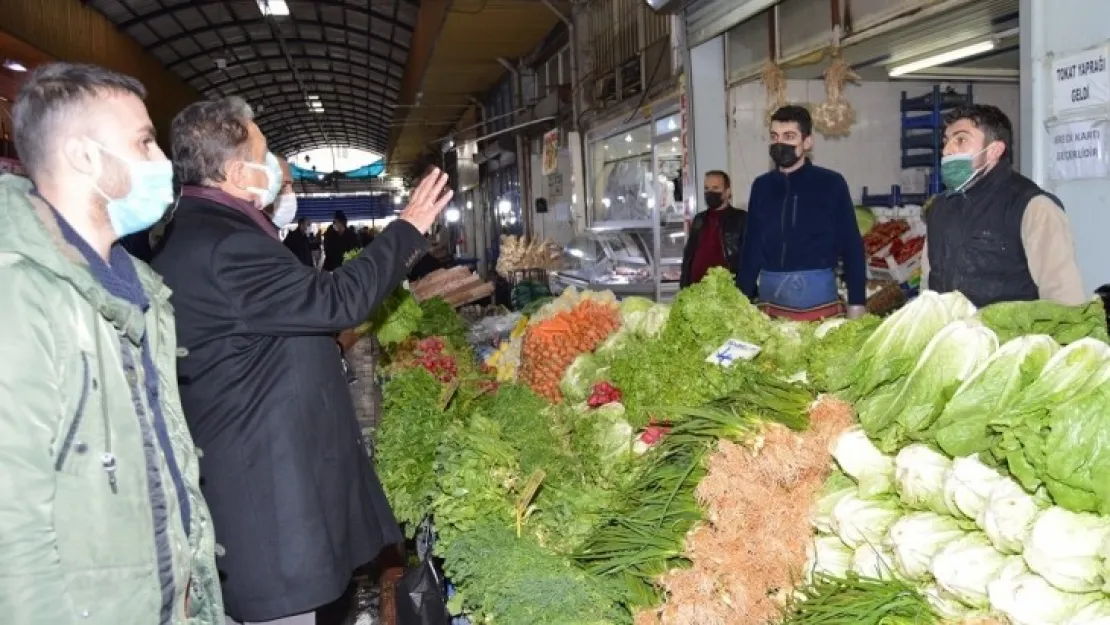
(965, 568)
(1064, 548)
(967, 486)
(580, 376)
(861, 522)
(915, 538)
(828, 555)
(612, 434)
(963, 428)
(920, 473)
(862, 461)
(948, 359)
(1009, 514)
(1027, 599)
(945, 605)
(1096, 613)
(837, 487)
(892, 350)
(874, 562)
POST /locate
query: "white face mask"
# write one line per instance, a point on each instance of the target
(272, 169)
(285, 209)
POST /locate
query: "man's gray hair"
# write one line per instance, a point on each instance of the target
(206, 135)
(51, 94)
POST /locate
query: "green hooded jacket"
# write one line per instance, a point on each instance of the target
(86, 536)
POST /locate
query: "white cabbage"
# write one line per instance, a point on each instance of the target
(828, 555)
(957, 305)
(862, 461)
(1008, 516)
(944, 604)
(967, 486)
(1064, 548)
(915, 538)
(1097, 613)
(823, 507)
(919, 473)
(965, 567)
(874, 562)
(860, 521)
(1027, 599)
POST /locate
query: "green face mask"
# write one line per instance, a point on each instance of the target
(957, 170)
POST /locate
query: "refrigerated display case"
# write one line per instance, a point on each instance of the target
(634, 243)
(622, 260)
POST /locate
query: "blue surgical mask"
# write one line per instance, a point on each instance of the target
(151, 192)
(272, 168)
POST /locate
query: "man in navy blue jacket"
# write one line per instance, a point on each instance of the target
(801, 226)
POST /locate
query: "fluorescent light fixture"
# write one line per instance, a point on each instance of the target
(452, 215)
(276, 8)
(15, 66)
(469, 205)
(943, 58)
(314, 104)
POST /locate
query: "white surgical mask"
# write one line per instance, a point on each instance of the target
(285, 209)
(272, 168)
(151, 192)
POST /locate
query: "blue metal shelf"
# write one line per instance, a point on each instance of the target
(923, 130)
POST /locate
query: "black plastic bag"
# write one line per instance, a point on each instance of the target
(421, 596)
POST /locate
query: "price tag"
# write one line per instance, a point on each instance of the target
(726, 355)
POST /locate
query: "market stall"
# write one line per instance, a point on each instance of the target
(698, 462)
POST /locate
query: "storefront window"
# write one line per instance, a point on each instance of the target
(622, 168)
(668, 167)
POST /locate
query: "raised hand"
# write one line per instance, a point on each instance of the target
(427, 200)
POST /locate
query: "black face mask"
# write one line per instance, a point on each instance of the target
(714, 199)
(784, 155)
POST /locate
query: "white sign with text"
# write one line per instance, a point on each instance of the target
(1078, 150)
(1080, 80)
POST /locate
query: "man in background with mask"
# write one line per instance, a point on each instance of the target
(993, 234)
(716, 234)
(298, 242)
(101, 517)
(294, 498)
(801, 227)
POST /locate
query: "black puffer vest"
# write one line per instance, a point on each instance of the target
(974, 239)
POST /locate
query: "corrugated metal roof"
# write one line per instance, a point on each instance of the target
(705, 19)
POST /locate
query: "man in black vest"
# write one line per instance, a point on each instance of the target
(993, 234)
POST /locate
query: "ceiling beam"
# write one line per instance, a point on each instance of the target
(429, 24)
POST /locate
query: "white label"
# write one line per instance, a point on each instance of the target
(1078, 150)
(733, 350)
(1080, 81)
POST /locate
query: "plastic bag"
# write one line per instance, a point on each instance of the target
(421, 593)
(421, 596)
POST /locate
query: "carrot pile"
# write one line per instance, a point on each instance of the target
(551, 345)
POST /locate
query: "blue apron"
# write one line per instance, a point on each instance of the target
(799, 290)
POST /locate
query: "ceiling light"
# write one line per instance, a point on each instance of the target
(452, 215)
(396, 200)
(674, 139)
(469, 205)
(943, 58)
(276, 8)
(628, 138)
(15, 66)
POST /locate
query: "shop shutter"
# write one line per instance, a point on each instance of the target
(705, 19)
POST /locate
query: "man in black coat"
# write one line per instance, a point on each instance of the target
(716, 234)
(295, 502)
(338, 240)
(298, 242)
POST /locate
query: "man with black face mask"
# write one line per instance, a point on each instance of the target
(801, 226)
(716, 234)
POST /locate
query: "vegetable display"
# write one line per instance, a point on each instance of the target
(943, 465)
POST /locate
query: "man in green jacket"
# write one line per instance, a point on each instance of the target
(101, 517)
